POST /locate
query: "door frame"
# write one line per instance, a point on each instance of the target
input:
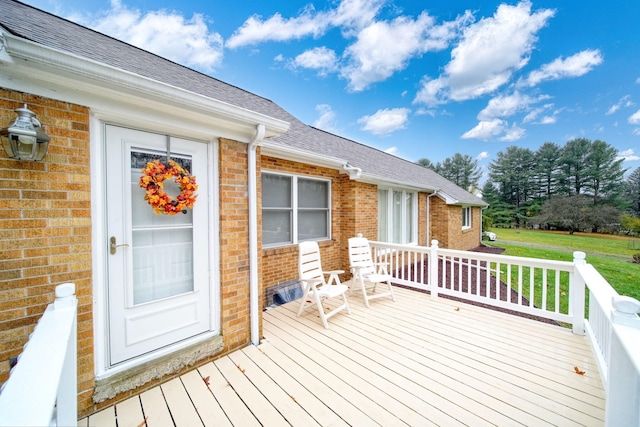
(100, 247)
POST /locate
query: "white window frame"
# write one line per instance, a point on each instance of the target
(404, 226)
(467, 215)
(295, 209)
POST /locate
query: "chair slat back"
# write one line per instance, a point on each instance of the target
(360, 255)
(309, 266)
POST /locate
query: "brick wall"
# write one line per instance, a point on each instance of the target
(234, 244)
(280, 264)
(446, 226)
(45, 230)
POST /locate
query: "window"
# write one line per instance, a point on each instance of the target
(294, 209)
(466, 218)
(397, 216)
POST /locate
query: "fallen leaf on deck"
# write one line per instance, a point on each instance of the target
(578, 371)
(457, 308)
(241, 370)
(143, 423)
(206, 380)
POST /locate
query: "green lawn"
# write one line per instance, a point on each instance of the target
(610, 255)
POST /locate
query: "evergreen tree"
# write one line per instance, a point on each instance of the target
(632, 192)
(548, 169)
(462, 170)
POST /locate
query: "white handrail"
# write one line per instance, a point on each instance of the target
(42, 388)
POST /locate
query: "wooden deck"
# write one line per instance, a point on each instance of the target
(416, 361)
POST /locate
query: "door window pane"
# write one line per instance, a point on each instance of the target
(397, 219)
(162, 245)
(383, 215)
(408, 206)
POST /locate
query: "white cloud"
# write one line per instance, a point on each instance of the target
(485, 130)
(507, 105)
(634, 119)
(627, 155)
(165, 33)
(322, 59)
(512, 134)
(386, 121)
(488, 54)
(548, 120)
(327, 119)
(574, 66)
(483, 155)
(392, 150)
(625, 101)
(384, 47)
(350, 14)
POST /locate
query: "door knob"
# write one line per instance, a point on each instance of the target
(113, 246)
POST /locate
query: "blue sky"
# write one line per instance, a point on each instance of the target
(416, 79)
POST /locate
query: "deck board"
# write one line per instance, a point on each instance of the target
(129, 413)
(416, 361)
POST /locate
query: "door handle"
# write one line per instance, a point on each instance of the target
(113, 246)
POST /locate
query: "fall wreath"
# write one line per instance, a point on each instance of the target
(152, 180)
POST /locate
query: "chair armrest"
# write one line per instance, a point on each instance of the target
(333, 276)
(381, 267)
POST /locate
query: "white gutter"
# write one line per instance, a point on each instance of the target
(254, 285)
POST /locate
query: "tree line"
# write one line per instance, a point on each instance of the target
(576, 187)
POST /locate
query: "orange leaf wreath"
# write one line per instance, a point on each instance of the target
(152, 180)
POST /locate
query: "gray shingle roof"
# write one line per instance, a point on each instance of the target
(55, 32)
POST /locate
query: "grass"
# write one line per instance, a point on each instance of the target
(610, 255)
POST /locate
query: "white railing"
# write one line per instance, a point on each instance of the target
(42, 388)
(547, 289)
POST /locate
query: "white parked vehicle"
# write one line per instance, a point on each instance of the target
(490, 235)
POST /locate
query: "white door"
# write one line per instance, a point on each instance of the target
(158, 284)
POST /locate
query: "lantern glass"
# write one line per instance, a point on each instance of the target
(24, 139)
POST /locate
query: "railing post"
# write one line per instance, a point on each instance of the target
(433, 268)
(623, 386)
(577, 294)
(67, 398)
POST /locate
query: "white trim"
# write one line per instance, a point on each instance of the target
(467, 214)
(31, 67)
(316, 159)
(254, 285)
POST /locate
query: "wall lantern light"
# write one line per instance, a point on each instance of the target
(24, 139)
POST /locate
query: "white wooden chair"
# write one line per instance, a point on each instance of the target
(314, 287)
(365, 273)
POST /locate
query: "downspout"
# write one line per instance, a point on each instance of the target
(254, 286)
(428, 243)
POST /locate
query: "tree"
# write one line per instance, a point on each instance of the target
(632, 192)
(604, 173)
(574, 165)
(547, 169)
(462, 170)
(513, 173)
(575, 213)
(426, 163)
(501, 214)
(630, 224)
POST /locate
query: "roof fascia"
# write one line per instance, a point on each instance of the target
(20, 57)
(303, 156)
